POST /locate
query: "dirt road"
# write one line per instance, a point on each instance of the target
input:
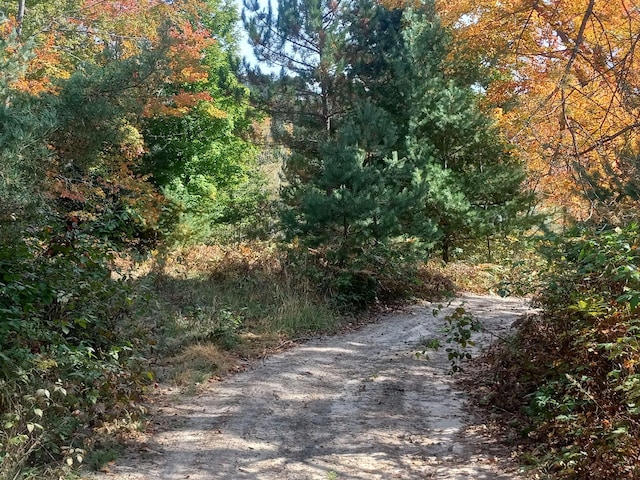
(355, 406)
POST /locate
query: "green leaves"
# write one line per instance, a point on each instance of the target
(202, 161)
(65, 318)
(580, 359)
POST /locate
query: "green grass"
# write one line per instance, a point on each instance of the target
(216, 305)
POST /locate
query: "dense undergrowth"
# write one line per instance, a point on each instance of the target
(71, 355)
(570, 375)
(224, 303)
(87, 334)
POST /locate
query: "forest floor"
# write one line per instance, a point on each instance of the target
(360, 405)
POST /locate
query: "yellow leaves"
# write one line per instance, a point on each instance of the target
(7, 27)
(84, 216)
(192, 74)
(213, 111)
(180, 104)
(132, 142)
(629, 365)
(398, 4)
(567, 71)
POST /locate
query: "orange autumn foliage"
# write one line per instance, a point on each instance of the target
(564, 82)
(45, 65)
(125, 28)
(400, 4)
(176, 106)
(137, 57)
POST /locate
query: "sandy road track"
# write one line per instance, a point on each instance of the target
(353, 406)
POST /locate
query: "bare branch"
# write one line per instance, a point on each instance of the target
(609, 138)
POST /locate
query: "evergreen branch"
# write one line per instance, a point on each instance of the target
(283, 37)
(272, 54)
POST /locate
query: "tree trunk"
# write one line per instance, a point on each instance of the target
(20, 17)
(324, 93)
(445, 249)
(345, 228)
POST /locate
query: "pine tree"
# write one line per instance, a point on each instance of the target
(408, 159)
(304, 39)
(25, 121)
(349, 194)
(353, 207)
(375, 54)
(474, 182)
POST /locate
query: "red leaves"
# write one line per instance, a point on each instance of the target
(125, 29)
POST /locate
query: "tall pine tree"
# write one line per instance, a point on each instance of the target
(304, 39)
(406, 158)
(475, 183)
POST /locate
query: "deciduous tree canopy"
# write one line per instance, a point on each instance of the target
(562, 78)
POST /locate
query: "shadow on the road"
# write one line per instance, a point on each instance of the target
(354, 407)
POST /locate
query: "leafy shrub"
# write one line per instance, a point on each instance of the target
(458, 330)
(576, 365)
(192, 216)
(380, 274)
(68, 362)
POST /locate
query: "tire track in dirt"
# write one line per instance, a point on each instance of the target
(356, 406)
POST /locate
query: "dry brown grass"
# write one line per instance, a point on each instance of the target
(482, 278)
(220, 305)
(197, 363)
(220, 260)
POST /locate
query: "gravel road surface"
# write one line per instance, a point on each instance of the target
(361, 405)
